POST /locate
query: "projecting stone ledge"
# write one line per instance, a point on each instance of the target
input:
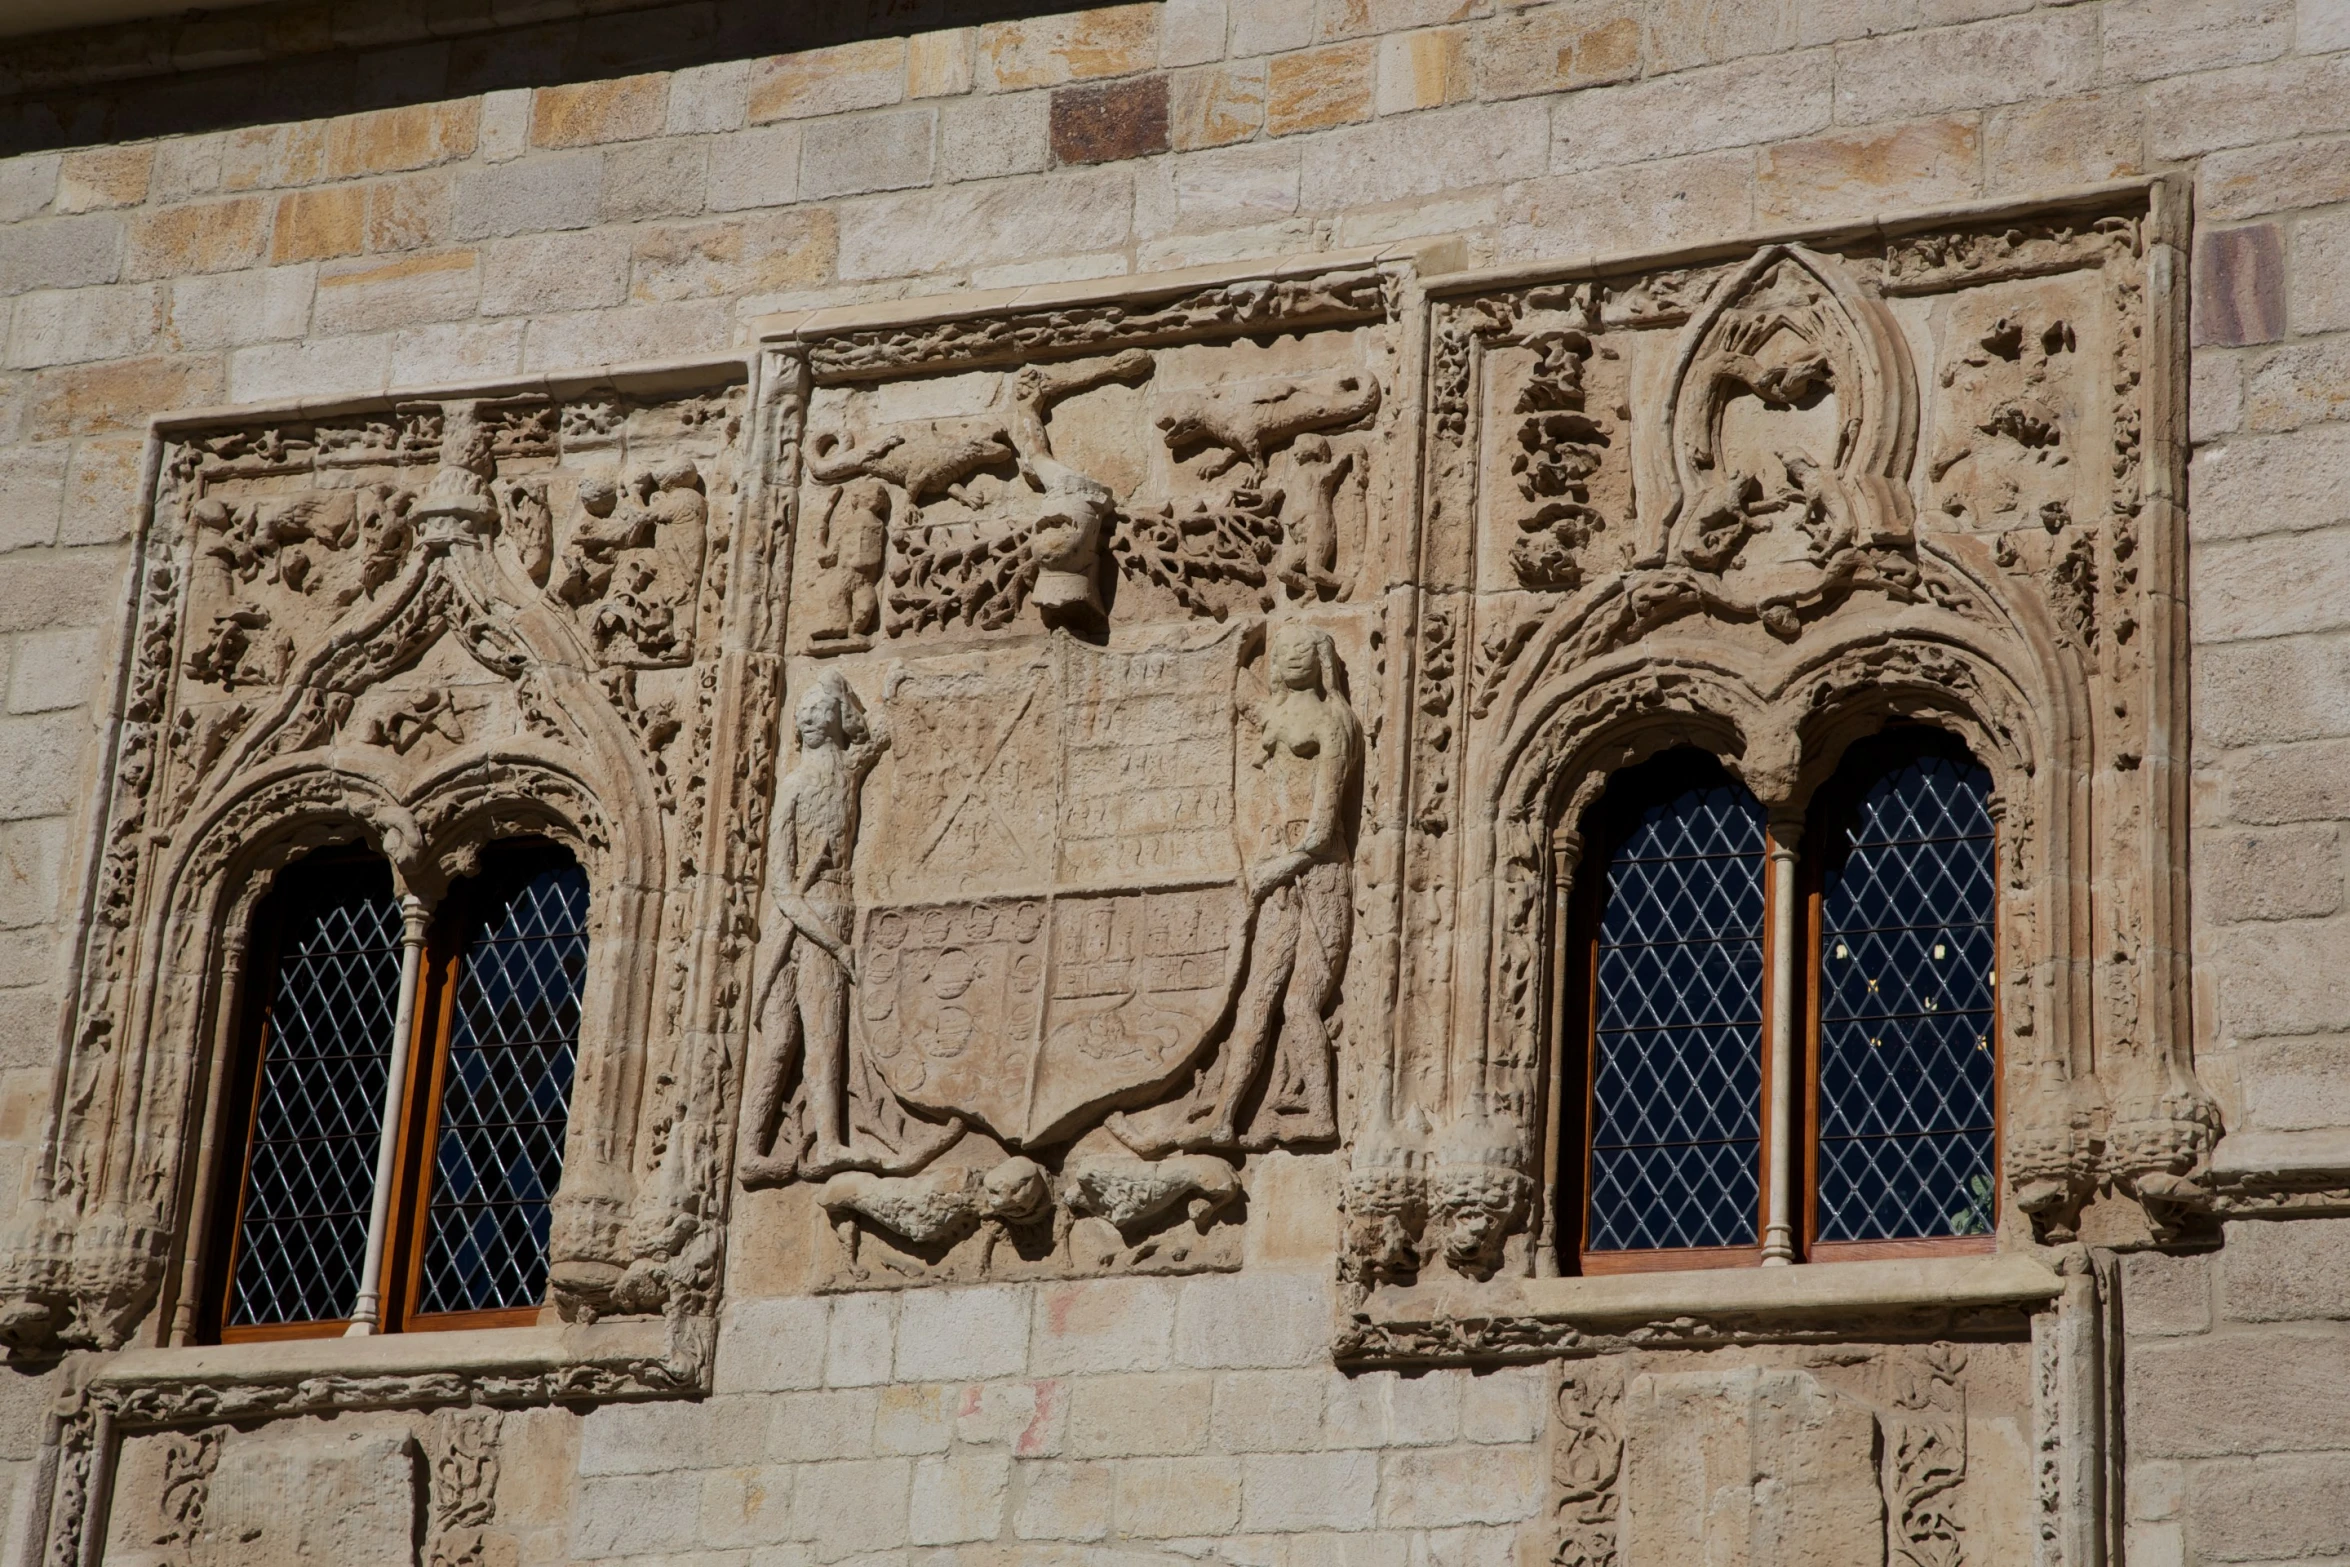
(1529, 1319)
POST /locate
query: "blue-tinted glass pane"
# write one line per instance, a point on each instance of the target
(506, 1097)
(318, 1111)
(1906, 1056)
(1676, 1137)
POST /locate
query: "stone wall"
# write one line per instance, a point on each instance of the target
(447, 222)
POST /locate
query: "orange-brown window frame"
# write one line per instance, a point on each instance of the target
(1580, 991)
(429, 1043)
(1812, 878)
(1575, 1024)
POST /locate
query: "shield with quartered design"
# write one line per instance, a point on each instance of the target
(1089, 794)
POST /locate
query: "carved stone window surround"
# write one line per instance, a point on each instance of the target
(639, 1358)
(196, 815)
(1545, 1318)
(2063, 670)
(111, 1397)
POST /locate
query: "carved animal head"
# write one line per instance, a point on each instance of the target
(1016, 1191)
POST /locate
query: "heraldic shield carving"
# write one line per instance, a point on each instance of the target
(1095, 954)
(1094, 803)
(1061, 876)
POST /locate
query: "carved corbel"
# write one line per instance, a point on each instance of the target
(1384, 1200)
(1479, 1192)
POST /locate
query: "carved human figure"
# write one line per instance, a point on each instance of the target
(635, 556)
(851, 547)
(814, 838)
(1309, 743)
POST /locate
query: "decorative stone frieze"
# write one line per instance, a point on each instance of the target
(1041, 765)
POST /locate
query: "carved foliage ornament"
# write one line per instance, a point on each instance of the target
(421, 627)
(1692, 510)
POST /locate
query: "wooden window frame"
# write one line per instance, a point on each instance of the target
(1581, 990)
(1575, 1022)
(243, 1089)
(1918, 740)
(429, 1043)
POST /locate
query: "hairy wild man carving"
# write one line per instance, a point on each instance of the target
(1308, 744)
(808, 982)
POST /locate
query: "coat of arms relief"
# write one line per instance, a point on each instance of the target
(1061, 877)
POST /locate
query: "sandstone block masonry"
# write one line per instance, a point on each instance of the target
(1224, 322)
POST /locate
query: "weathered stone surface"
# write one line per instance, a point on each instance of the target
(314, 1496)
(2272, 1272)
(2287, 874)
(1102, 124)
(2167, 1295)
(876, 152)
(1319, 88)
(1753, 1466)
(1843, 175)
(1288, 1491)
(1121, 1416)
(621, 109)
(1216, 104)
(1728, 106)
(2273, 1389)
(2269, 1509)
(1048, 50)
(826, 81)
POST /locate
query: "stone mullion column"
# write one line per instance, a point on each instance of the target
(1785, 1055)
(367, 1311)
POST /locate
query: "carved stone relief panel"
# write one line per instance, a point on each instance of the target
(1764, 504)
(1908, 1455)
(1062, 882)
(378, 1490)
(1194, 480)
(421, 625)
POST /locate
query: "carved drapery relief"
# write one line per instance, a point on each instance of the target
(1062, 885)
(424, 627)
(1764, 506)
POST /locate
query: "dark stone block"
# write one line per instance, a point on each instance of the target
(1112, 121)
(2239, 286)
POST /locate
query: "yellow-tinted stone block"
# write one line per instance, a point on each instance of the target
(315, 224)
(1049, 50)
(625, 109)
(1315, 88)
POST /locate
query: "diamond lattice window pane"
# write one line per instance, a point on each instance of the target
(506, 1096)
(1907, 1064)
(318, 1107)
(1676, 1136)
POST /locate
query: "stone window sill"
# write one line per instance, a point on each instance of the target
(633, 1359)
(1539, 1318)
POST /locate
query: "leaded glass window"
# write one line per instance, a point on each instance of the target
(317, 1094)
(1881, 929)
(484, 1050)
(506, 1092)
(1907, 1065)
(1675, 1070)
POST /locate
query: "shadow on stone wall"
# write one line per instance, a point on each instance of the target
(309, 59)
